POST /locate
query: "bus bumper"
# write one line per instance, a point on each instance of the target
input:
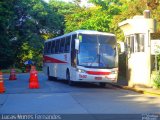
(84, 77)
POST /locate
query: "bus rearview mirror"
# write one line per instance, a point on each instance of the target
(77, 44)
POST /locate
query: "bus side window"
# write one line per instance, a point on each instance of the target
(67, 43)
(53, 47)
(62, 45)
(57, 46)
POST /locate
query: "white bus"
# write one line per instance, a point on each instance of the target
(82, 56)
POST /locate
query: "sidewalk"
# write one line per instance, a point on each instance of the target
(144, 90)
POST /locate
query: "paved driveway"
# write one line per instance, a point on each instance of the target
(57, 97)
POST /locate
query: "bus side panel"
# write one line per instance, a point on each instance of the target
(61, 71)
(53, 69)
(61, 68)
(73, 73)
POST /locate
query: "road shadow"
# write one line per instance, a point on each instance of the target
(85, 84)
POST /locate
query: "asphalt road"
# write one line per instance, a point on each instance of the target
(57, 97)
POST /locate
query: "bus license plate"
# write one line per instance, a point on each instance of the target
(98, 78)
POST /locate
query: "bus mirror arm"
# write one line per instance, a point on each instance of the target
(77, 44)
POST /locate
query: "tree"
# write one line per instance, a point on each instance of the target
(130, 9)
(6, 33)
(94, 18)
(63, 9)
(24, 25)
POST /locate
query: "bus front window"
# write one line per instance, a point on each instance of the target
(97, 52)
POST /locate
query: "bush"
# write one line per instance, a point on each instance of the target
(155, 77)
(8, 70)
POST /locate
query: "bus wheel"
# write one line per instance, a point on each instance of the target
(68, 78)
(102, 84)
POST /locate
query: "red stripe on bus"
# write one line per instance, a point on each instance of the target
(98, 73)
(52, 60)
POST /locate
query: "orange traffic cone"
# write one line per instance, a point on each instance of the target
(33, 81)
(12, 74)
(32, 69)
(2, 89)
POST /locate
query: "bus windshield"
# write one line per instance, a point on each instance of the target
(97, 51)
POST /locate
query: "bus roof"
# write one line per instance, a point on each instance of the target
(82, 32)
(93, 32)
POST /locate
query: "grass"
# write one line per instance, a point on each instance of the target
(155, 77)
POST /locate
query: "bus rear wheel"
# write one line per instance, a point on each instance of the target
(48, 76)
(71, 83)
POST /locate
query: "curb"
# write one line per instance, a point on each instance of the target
(136, 90)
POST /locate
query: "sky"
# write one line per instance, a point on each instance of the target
(62, 0)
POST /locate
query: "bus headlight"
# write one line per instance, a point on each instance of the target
(81, 71)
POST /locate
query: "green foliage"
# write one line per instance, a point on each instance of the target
(128, 10)
(6, 33)
(106, 3)
(25, 24)
(95, 18)
(63, 9)
(155, 77)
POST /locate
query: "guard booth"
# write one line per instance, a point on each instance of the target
(137, 37)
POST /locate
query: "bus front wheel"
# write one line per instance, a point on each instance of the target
(102, 84)
(68, 78)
